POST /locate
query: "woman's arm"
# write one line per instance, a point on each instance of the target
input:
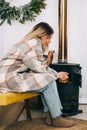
(50, 57)
(34, 64)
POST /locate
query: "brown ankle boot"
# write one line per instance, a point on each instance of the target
(61, 122)
(48, 118)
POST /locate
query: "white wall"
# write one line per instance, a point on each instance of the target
(77, 30)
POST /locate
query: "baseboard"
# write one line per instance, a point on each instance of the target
(83, 100)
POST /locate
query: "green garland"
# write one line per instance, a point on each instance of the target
(21, 14)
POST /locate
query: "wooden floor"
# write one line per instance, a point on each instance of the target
(39, 113)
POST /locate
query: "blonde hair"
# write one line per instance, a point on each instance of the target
(39, 30)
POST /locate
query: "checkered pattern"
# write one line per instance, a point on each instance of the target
(23, 68)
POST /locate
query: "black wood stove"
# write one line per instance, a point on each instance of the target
(69, 91)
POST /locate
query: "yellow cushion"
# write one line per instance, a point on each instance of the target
(9, 98)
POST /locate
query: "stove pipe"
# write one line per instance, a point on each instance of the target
(62, 12)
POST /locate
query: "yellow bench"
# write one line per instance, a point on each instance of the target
(9, 98)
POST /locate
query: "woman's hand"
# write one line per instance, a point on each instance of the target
(63, 76)
(50, 57)
(50, 53)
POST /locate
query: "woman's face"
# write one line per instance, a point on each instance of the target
(46, 39)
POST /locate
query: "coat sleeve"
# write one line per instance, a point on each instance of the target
(34, 64)
(38, 66)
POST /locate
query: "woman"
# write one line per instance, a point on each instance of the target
(24, 68)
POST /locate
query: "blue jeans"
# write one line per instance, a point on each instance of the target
(50, 99)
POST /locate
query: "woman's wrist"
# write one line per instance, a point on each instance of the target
(58, 75)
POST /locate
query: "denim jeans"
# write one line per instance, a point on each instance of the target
(50, 99)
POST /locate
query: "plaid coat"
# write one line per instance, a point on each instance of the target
(23, 68)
